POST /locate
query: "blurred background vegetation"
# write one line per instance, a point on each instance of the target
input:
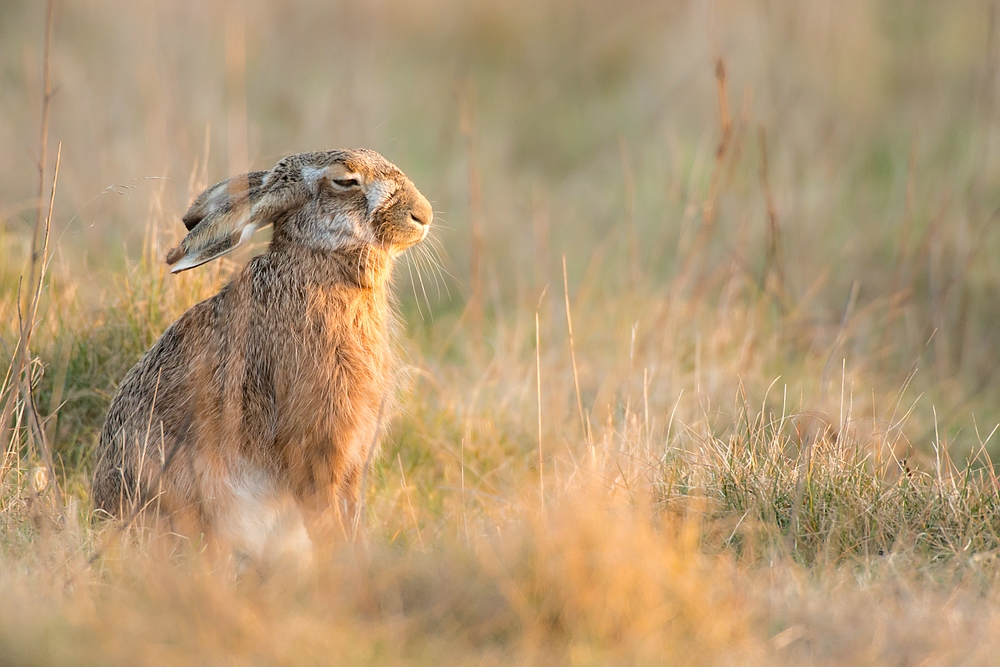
(779, 227)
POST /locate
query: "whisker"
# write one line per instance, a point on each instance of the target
(439, 269)
(422, 288)
(438, 276)
(413, 286)
(436, 249)
(441, 223)
(421, 262)
(422, 252)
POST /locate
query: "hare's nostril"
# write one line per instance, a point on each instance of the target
(418, 219)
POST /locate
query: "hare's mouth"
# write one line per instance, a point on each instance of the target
(423, 230)
(417, 233)
(400, 237)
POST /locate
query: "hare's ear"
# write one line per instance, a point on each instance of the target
(220, 219)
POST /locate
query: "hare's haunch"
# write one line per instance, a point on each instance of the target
(252, 417)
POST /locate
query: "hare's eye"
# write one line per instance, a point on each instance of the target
(347, 182)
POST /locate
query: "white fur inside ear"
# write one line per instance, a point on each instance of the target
(218, 198)
(246, 234)
(190, 261)
(186, 262)
(378, 192)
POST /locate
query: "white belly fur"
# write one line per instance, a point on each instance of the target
(262, 521)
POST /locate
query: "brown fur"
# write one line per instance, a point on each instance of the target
(267, 395)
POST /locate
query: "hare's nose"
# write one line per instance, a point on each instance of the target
(421, 211)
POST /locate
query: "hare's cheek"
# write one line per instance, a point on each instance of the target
(378, 194)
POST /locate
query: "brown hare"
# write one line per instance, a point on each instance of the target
(252, 417)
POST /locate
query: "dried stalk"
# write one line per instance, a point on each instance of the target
(774, 261)
(37, 266)
(44, 140)
(572, 353)
(467, 127)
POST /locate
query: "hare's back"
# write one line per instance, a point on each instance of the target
(154, 406)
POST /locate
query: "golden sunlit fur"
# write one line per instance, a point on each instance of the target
(253, 415)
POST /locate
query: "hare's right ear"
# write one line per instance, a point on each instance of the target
(222, 217)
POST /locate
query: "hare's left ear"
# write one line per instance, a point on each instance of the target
(227, 214)
(219, 220)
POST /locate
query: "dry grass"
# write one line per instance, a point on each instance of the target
(770, 225)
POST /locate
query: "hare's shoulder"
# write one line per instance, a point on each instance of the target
(165, 365)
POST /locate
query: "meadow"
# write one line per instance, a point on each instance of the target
(699, 362)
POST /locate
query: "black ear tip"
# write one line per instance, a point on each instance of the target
(191, 221)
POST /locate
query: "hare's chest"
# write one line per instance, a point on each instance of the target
(335, 359)
(345, 336)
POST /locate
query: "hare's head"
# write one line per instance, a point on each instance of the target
(326, 200)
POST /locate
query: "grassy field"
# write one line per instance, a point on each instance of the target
(701, 358)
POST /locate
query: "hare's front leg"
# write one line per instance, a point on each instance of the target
(331, 505)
